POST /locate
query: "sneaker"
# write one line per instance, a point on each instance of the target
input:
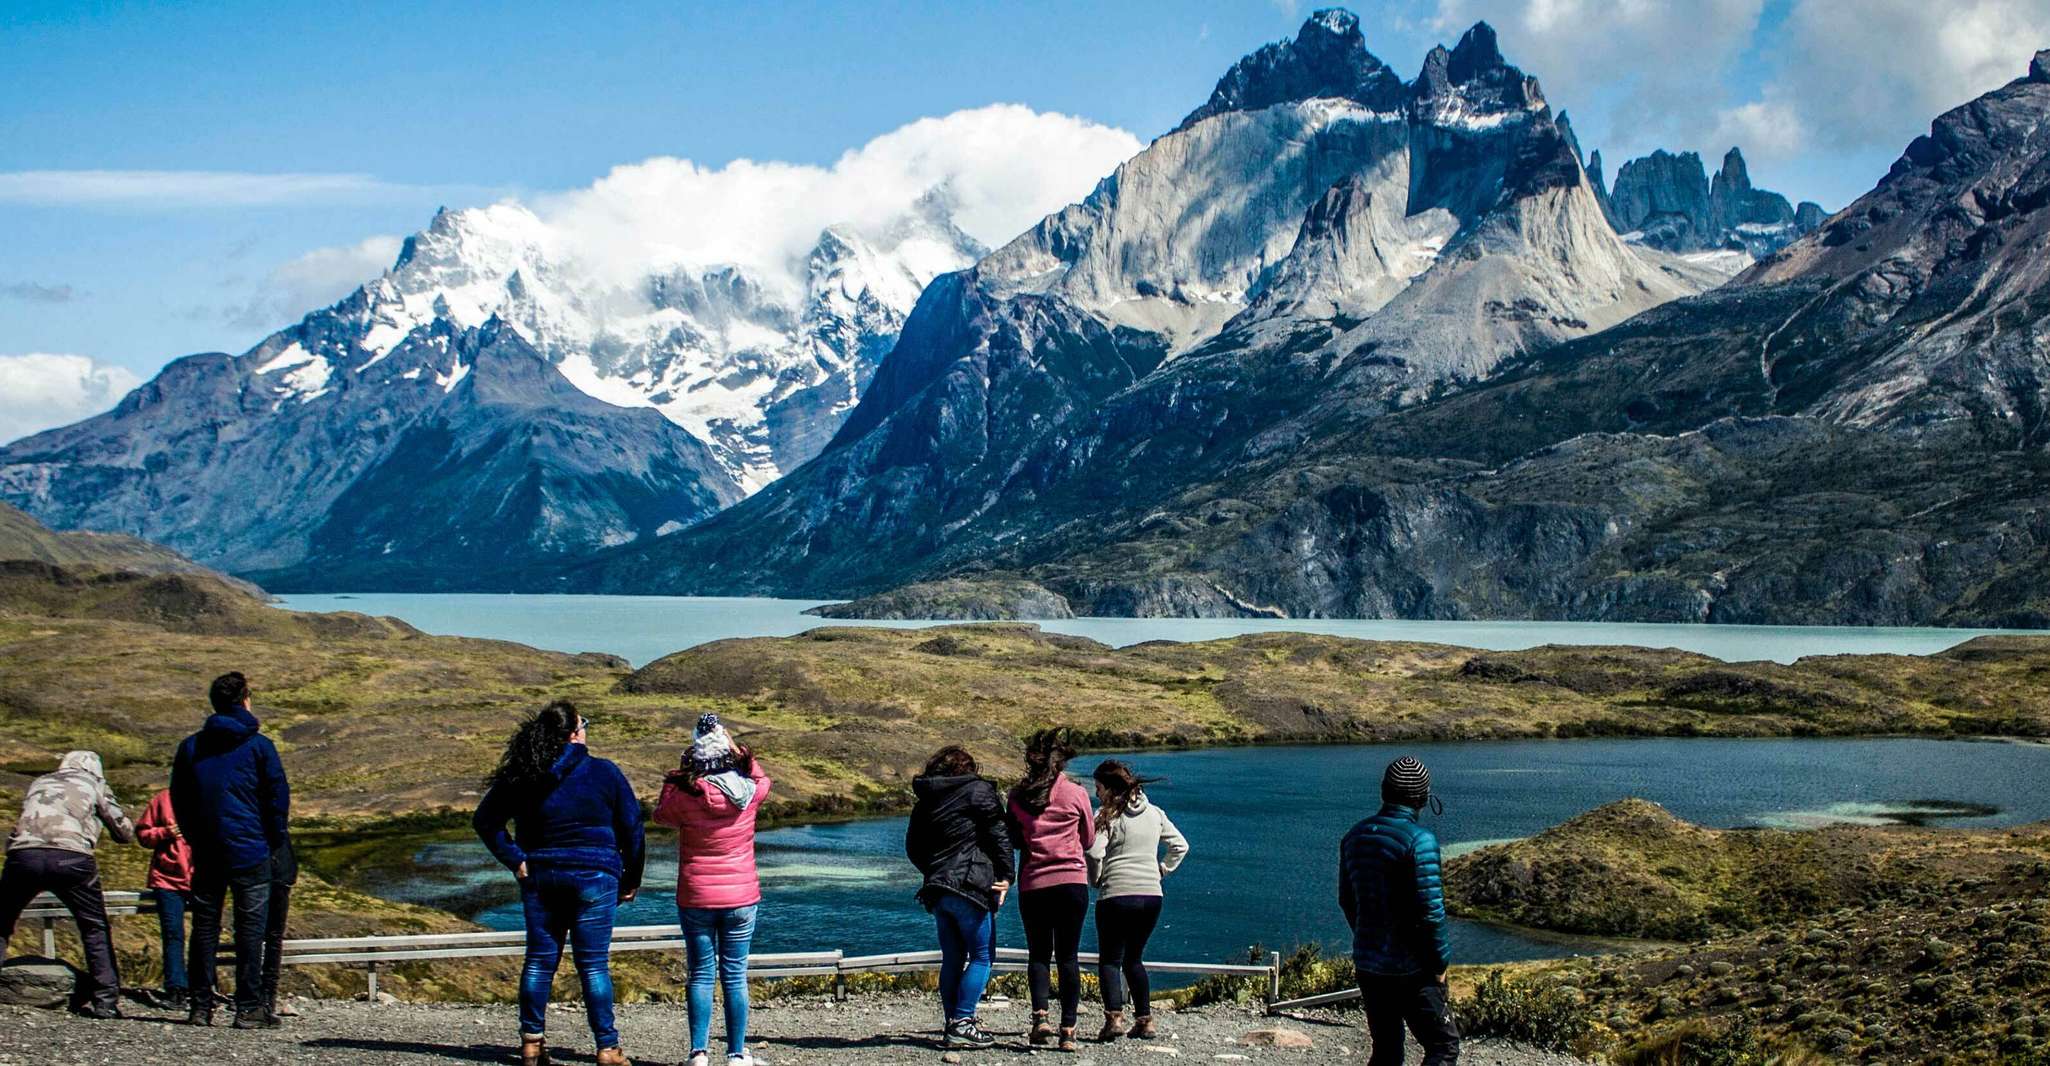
(101, 1011)
(742, 1059)
(697, 1058)
(967, 1032)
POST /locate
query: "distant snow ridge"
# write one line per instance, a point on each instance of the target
(757, 370)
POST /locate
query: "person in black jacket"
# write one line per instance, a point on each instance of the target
(958, 841)
(1390, 889)
(229, 793)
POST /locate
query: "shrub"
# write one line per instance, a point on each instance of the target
(1531, 1011)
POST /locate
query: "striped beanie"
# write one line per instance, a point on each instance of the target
(1407, 782)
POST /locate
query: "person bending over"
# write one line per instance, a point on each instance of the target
(51, 851)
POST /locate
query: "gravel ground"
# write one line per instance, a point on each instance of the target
(868, 1031)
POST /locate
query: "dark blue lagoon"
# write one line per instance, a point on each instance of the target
(1264, 824)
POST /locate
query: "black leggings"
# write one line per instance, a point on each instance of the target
(1053, 934)
(1123, 925)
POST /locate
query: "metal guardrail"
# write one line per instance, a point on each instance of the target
(375, 952)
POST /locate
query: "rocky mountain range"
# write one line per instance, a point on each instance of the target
(1668, 201)
(1407, 418)
(490, 402)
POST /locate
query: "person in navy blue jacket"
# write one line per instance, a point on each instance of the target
(1389, 886)
(232, 801)
(577, 848)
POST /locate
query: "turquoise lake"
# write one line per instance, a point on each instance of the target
(645, 628)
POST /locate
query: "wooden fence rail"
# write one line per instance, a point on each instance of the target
(375, 952)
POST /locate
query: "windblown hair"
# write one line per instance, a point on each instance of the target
(531, 752)
(228, 691)
(1046, 756)
(950, 761)
(1121, 786)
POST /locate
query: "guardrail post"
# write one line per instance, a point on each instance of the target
(49, 938)
(840, 987)
(373, 984)
(1273, 977)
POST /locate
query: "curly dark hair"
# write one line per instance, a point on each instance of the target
(1046, 755)
(950, 761)
(534, 746)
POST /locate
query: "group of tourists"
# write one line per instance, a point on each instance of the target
(569, 827)
(219, 831)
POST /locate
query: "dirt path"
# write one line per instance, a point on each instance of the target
(868, 1031)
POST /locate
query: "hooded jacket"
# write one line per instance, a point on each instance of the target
(229, 793)
(584, 816)
(1135, 851)
(1390, 888)
(715, 841)
(957, 839)
(65, 808)
(170, 868)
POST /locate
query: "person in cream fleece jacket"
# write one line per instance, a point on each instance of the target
(1135, 847)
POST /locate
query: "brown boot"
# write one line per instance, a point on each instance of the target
(1067, 1040)
(1113, 1022)
(533, 1051)
(613, 1056)
(1142, 1028)
(1042, 1030)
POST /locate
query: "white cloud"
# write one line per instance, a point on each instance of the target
(1844, 70)
(41, 390)
(1765, 129)
(1003, 167)
(316, 279)
(201, 188)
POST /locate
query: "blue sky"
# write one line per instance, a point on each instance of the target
(186, 238)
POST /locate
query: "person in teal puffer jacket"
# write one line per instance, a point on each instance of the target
(1390, 887)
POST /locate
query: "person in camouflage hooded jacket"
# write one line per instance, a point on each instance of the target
(51, 851)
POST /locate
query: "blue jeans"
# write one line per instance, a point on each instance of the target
(171, 926)
(718, 939)
(578, 904)
(968, 947)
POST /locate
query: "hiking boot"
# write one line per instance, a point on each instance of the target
(200, 1013)
(1113, 1026)
(256, 1019)
(1142, 1028)
(166, 1000)
(102, 1011)
(613, 1056)
(1042, 1030)
(534, 1051)
(967, 1032)
(1067, 1043)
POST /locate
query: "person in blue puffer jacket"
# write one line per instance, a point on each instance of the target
(578, 849)
(1389, 886)
(232, 802)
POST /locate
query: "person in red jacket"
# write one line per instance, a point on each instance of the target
(711, 800)
(170, 881)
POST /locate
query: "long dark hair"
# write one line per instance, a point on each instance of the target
(534, 747)
(1046, 755)
(1122, 785)
(950, 761)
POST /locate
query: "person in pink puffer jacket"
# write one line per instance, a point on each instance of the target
(711, 800)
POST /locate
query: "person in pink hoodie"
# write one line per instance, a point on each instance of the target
(170, 881)
(711, 800)
(1053, 826)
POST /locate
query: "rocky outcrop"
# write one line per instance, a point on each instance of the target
(1668, 201)
(956, 600)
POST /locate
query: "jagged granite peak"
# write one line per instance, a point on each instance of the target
(1809, 216)
(1327, 58)
(1472, 83)
(1668, 201)
(2039, 67)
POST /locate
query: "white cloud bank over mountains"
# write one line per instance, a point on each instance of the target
(1000, 169)
(42, 390)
